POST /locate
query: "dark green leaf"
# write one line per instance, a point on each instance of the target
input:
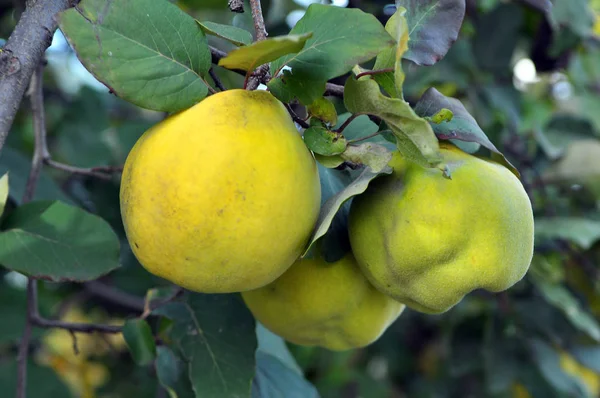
(250, 57)
(139, 339)
(433, 27)
(216, 335)
(148, 52)
(171, 373)
(581, 231)
(297, 85)
(58, 242)
(414, 136)
(462, 127)
(341, 39)
(324, 142)
(235, 35)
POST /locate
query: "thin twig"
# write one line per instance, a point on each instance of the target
(296, 118)
(75, 327)
(347, 122)
(374, 72)
(259, 21)
(334, 90)
(100, 172)
(23, 354)
(115, 295)
(22, 54)
(366, 137)
(216, 79)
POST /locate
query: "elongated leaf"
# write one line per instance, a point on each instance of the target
(274, 379)
(415, 138)
(581, 231)
(562, 299)
(433, 27)
(233, 34)
(216, 335)
(462, 126)
(392, 82)
(148, 52)
(58, 242)
(339, 189)
(249, 57)
(139, 339)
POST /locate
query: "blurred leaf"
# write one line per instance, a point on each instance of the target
(462, 127)
(274, 379)
(323, 141)
(43, 381)
(341, 39)
(581, 231)
(139, 339)
(548, 362)
(216, 335)
(496, 38)
(414, 136)
(250, 57)
(235, 35)
(575, 14)
(18, 167)
(148, 52)
(171, 373)
(588, 356)
(542, 5)
(3, 192)
(433, 26)
(562, 299)
(58, 242)
(324, 110)
(335, 202)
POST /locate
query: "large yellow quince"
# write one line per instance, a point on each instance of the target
(331, 305)
(427, 240)
(221, 197)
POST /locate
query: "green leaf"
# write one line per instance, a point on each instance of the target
(575, 14)
(250, 57)
(58, 242)
(148, 52)
(270, 343)
(324, 142)
(392, 82)
(548, 362)
(138, 337)
(216, 335)
(581, 231)
(274, 379)
(330, 162)
(341, 39)
(3, 192)
(462, 127)
(237, 36)
(324, 110)
(297, 85)
(415, 138)
(359, 128)
(334, 199)
(563, 300)
(369, 154)
(433, 27)
(170, 371)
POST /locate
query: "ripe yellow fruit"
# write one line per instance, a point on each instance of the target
(331, 305)
(427, 241)
(221, 197)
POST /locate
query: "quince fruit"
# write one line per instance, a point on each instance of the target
(427, 240)
(331, 305)
(221, 197)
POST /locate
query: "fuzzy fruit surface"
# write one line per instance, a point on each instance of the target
(427, 241)
(221, 197)
(331, 305)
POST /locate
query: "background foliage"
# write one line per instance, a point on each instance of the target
(530, 78)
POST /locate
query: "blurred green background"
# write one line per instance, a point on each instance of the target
(532, 81)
